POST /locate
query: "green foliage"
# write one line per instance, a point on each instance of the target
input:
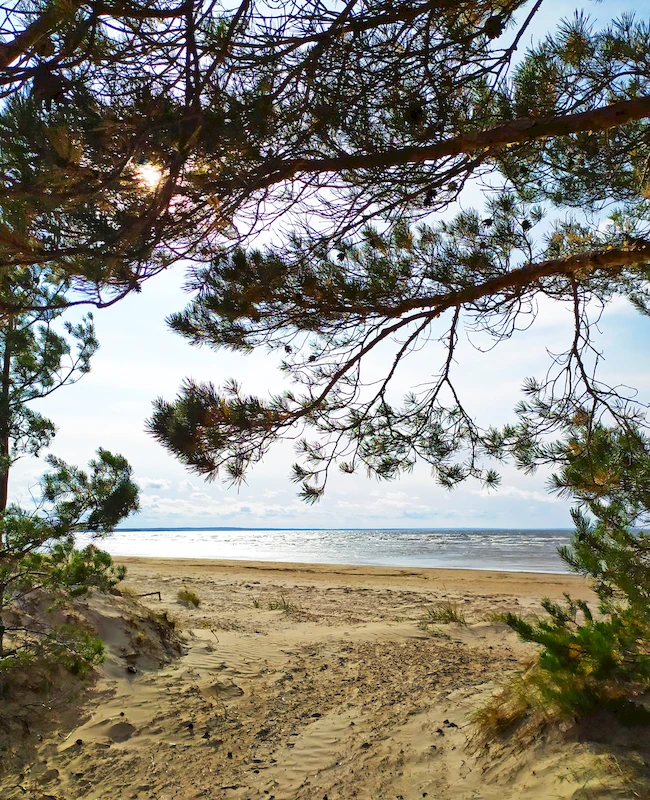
(445, 612)
(283, 605)
(60, 205)
(95, 501)
(70, 645)
(590, 661)
(324, 309)
(579, 64)
(253, 100)
(39, 353)
(41, 571)
(188, 597)
(79, 571)
(278, 117)
(282, 116)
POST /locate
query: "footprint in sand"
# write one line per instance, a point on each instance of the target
(224, 691)
(121, 731)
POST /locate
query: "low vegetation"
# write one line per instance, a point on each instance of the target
(515, 702)
(41, 571)
(188, 598)
(445, 612)
(283, 605)
(593, 660)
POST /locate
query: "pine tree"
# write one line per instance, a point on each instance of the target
(590, 661)
(38, 559)
(39, 353)
(355, 144)
(134, 136)
(339, 128)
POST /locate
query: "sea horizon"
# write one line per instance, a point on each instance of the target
(321, 528)
(514, 549)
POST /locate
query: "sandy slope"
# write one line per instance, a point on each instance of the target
(334, 693)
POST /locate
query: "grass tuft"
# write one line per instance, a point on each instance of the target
(283, 605)
(496, 617)
(188, 598)
(518, 701)
(445, 612)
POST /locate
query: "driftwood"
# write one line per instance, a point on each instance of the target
(149, 594)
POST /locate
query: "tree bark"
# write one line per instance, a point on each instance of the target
(612, 260)
(5, 387)
(32, 34)
(517, 131)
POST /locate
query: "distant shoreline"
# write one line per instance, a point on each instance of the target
(172, 563)
(511, 549)
(477, 580)
(240, 528)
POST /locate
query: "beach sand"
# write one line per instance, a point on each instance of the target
(315, 682)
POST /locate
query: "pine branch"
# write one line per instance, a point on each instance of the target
(489, 141)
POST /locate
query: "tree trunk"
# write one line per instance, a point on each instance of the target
(4, 418)
(4, 451)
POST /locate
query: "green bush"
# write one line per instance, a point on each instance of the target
(590, 661)
(41, 570)
(283, 605)
(446, 612)
(188, 598)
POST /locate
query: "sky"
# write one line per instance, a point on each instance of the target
(140, 359)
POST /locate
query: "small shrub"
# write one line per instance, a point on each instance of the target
(445, 612)
(256, 603)
(39, 562)
(71, 645)
(586, 664)
(589, 662)
(283, 605)
(188, 598)
(514, 702)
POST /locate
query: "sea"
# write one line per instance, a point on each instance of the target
(505, 549)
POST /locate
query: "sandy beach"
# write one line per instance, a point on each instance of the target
(312, 682)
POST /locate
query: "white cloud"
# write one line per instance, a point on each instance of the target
(154, 483)
(206, 506)
(380, 506)
(520, 494)
(392, 495)
(269, 493)
(200, 496)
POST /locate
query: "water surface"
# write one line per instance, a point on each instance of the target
(512, 550)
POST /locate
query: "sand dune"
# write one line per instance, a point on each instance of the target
(318, 683)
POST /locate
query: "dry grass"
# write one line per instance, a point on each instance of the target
(515, 703)
(445, 613)
(495, 617)
(283, 605)
(188, 598)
